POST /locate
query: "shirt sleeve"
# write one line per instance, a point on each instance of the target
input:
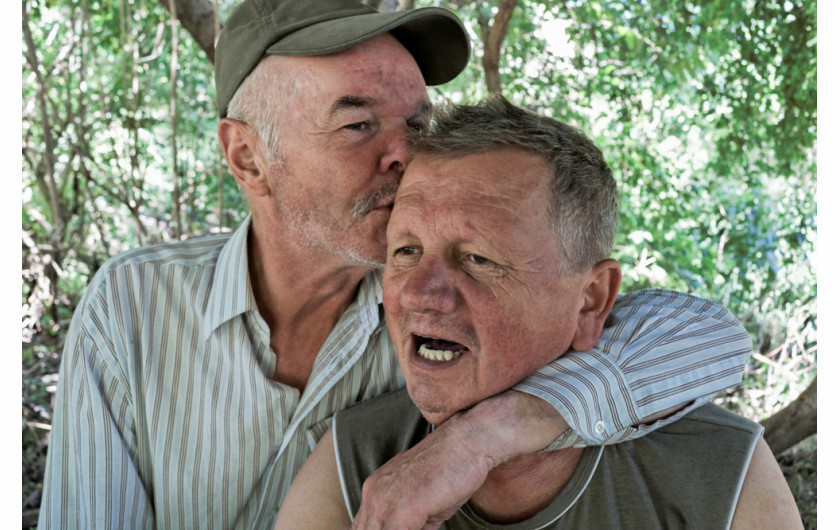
(659, 350)
(92, 477)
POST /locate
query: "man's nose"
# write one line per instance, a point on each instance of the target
(395, 155)
(430, 287)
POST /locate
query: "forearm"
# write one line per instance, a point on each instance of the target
(507, 425)
(662, 352)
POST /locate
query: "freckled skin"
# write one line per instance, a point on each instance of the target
(472, 259)
(335, 156)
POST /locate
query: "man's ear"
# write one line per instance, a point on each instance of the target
(244, 154)
(599, 294)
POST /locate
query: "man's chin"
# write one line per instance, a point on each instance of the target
(434, 410)
(436, 418)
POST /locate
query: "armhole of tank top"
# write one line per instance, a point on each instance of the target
(743, 476)
(340, 469)
(586, 483)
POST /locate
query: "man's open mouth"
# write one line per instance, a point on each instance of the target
(439, 349)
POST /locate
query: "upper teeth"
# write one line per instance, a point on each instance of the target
(438, 355)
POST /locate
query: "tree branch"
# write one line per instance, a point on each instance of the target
(47, 179)
(493, 40)
(173, 115)
(198, 19)
(793, 423)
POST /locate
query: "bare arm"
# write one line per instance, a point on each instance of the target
(765, 502)
(314, 500)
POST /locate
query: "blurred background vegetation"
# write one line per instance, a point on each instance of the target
(706, 111)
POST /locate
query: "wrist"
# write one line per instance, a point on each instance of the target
(507, 425)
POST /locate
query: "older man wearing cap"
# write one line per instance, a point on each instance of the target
(198, 376)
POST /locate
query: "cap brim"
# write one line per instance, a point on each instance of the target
(435, 37)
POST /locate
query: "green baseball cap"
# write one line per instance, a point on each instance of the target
(256, 28)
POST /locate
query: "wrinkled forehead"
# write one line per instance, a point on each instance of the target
(379, 70)
(508, 177)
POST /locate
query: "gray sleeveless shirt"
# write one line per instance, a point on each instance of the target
(684, 475)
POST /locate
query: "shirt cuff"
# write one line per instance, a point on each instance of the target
(580, 388)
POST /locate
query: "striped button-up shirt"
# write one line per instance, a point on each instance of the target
(167, 415)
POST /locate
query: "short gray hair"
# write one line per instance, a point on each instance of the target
(583, 208)
(263, 100)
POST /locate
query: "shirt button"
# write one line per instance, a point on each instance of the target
(600, 427)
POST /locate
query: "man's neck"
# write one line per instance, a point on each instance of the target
(521, 487)
(301, 296)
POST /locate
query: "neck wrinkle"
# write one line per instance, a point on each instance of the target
(291, 285)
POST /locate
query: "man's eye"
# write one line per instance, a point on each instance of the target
(478, 260)
(481, 267)
(417, 126)
(358, 126)
(405, 257)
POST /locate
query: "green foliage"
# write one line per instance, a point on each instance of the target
(98, 164)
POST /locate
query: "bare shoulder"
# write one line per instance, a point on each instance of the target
(765, 501)
(315, 499)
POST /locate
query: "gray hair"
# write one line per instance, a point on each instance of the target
(583, 208)
(262, 100)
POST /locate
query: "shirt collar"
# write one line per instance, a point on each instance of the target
(347, 342)
(369, 299)
(231, 294)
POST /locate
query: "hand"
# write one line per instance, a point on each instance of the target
(424, 486)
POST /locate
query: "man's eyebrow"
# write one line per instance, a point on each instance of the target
(350, 102)
(354, 102)
(424, 109)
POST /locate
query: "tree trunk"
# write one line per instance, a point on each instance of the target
(173, 116)
(199, 19)
(493, 38)
(793, 423)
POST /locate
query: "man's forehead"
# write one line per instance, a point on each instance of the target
(426, 188)
(377, 72)
(503, 181)
(478, 172)
(373, 54)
